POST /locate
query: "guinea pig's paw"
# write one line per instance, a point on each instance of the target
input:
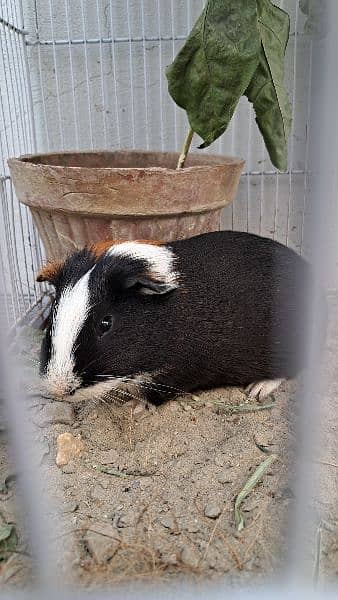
(262, 389)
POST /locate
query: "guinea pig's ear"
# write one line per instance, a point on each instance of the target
(147, 267)
(50, 272)
(145, 284)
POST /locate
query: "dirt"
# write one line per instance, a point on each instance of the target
(150, 496)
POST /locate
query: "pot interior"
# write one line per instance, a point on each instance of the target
(126, 159)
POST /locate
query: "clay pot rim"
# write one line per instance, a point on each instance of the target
(224, 161)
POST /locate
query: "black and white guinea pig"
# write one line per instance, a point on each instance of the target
(148, 320)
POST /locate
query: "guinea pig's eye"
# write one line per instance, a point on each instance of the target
(105, 324)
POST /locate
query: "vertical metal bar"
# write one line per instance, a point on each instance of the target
(276, 206)
(308, 118)
(58, 93)
(161, 72)
(9, 247)
(27, 93)
(323, 208)
(17, 19)
(11, 295)
(29, 244)
(24, 251)
(276, 198)
(38, 507)
(87, 75)
(37, 33)
(292, 133)
(71, 64)
(43, 99)
(16, 273)
(248, 179)
(131, 75)
(5, 152)
(4, 137)
(233, 152)
(4, 291)
(145, 77)
(172, 13)
(102, 75)
(115, 74)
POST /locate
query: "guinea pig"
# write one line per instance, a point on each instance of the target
(150, 321)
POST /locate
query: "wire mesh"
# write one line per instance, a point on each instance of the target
(20, 250)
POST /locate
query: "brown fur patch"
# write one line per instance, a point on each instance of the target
(49, 271)
(100, 248)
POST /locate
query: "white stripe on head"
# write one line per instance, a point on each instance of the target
(159, 258)
(69, 318)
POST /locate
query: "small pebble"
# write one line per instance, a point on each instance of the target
(98, 493)
(68, 447)
(189, 556)
(224, 478)
(139, 410)
(145, 483)
(69, 507)
(126, 519)
(212, 510)
(55, 412)
(168, 522)
(193, 527)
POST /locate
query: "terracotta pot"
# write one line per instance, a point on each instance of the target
(81, 197)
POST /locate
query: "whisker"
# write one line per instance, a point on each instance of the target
(155, 385)
(152, 385)
(129, 394)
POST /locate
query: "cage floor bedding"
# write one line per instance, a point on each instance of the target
(151, 496)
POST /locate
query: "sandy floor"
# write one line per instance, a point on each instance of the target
(154, 496)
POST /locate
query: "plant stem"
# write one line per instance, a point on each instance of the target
(185, 149)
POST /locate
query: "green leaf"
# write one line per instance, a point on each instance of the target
(266, 90)
(250, 484)
(215, 65)
(8, 540)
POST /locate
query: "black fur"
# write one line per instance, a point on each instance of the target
(238, 316)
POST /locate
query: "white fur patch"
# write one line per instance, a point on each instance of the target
(159, 258)
(71, 313)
